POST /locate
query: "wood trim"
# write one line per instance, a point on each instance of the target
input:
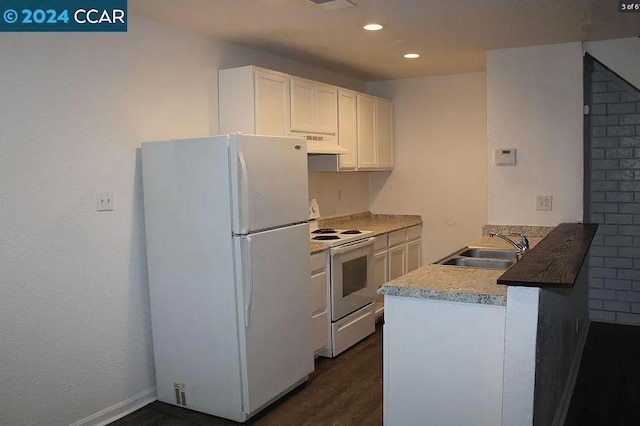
(555, 261)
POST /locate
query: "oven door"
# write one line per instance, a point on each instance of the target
(351, 270)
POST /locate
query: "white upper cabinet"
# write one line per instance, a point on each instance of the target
(375, 133)
(347, 129)
(314, 107)
(253, 100)
(384, 133)
(367, 152)
(272, 103)
(302, 105)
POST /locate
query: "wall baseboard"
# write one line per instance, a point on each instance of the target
(565, 401)
(119, 410)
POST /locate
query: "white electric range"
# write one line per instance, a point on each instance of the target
(352, 292)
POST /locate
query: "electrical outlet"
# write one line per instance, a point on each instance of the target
(104, 201)
(544, 202)
(339, 194)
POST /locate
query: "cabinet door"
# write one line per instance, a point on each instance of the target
(320, 337)
(384, 133)
(347, 129)
(366, 111)
(319, 292)
(380, 269)
(414, 255)
(271, 103)
(320, 318)
(380, 276)
(397, 261)
(326, 109)
(302, 99)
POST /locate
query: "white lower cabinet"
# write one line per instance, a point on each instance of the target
(413, 253)
(380, 271)
(395, 254)
(453, 372)
(320, 319)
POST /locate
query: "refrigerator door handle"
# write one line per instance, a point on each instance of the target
(249, 279)
(244, 187)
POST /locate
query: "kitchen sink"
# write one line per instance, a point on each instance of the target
(488, 253)
(477, 262)
(478, 257)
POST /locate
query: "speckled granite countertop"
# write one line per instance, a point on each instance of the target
(454, 283)
(316, 248)
(378, 223)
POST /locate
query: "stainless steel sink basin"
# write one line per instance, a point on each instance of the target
(488, 253)
(476, 262)
(477, 257)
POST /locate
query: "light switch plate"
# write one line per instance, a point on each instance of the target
(104, 201)
(505, 156)
(544, 202)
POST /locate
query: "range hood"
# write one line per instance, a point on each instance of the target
(321, 144)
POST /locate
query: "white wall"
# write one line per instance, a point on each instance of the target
(340, 193)
(440, 151)
(620, 55)
(534, 104)
(74, 314)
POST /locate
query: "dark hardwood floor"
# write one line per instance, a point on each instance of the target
(346, 390)
(607, 391)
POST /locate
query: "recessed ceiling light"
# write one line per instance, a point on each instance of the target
(411, 55)
(373, 27)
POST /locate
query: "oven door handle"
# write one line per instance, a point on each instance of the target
(348, 247)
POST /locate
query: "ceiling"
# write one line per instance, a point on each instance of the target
(451, 35)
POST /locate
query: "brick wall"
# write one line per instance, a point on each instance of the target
(614, 192)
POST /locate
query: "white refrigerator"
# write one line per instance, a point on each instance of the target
(228, 263)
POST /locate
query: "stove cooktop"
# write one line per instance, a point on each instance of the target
(334, 237)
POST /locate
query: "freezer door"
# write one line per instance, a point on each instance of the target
(274, 306)
(268, 182)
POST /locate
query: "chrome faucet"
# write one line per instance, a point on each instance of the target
(522, 246)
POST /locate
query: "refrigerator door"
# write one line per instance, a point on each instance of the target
(274, 310)
(268, 182)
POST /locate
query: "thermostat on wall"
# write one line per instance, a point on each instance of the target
(505, 157)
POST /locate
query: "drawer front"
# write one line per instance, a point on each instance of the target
(352, 328)
(414, 232)
(319, 292)
(380, 243)
(320, 327)
(317, 261)
(397, 237)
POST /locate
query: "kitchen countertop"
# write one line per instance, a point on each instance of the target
(455, 283)
(556, 261)
(316, 248)
(378, 223)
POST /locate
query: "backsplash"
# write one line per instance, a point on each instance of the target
(340, 193)
(526, 230)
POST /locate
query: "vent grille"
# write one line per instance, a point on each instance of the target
(181, 397)
(332, 4)
(316, 138)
